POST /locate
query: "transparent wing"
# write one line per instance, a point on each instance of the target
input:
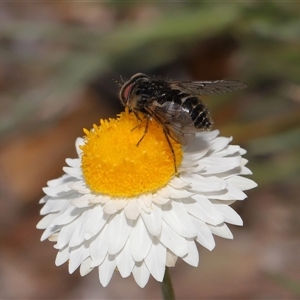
(217, 87)
(175, 120)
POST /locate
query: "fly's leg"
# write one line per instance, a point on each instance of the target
(146, 127)
(146, 130)
(171, 148)
(139, 119)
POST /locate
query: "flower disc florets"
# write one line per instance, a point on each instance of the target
(113, 163)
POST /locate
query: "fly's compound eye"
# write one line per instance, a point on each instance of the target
(125, 93)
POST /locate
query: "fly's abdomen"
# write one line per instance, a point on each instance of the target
(198, 112)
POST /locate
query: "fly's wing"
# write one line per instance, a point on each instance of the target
(217, 87)
(176, 121)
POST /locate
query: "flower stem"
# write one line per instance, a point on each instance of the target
(166, 287)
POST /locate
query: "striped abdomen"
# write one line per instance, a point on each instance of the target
(198, 112)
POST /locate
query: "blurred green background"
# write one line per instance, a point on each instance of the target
(58, 63)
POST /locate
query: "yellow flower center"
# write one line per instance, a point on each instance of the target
(113, 162)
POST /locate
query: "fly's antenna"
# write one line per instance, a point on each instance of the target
(120, 83)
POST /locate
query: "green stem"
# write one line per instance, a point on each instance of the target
(166, 287)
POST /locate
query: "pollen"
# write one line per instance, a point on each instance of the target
(116, 164)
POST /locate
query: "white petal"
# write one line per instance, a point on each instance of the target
(53, 237)
(66, 234)
(78, 235)
(230, 193)
(62, 256)
(171, 259)
(201, 143)
(73, 162)
(124, 261)
(65, 187)
(140, 240)
(100, 199)
(156, 260)
(79, 141)
(44, 199)
(242, 151)
(120, 204)
(99, 247)
(244, 161)
(229, 214)
(197, 168)
(194, 153)
(202, 184)
(179, 193)
(80, 187)
(153, 220)
(46, 221)
(178, 182)
(143, 205)
(141, 274)
(242, 182)
(165, 192)
(204, 210)
(204, 236)
(77, 256)
(60, 180)
(158, 199)
(173, 241)
(85, 267)
(96, 222)
(52, 191)
(52, 206)
(49, 231)
(82, 201)
(106, 270)
(74, 172)
(235, 193)
(245, 171)
(192, 258)
(207, 135)
(176, 216)
(120, 228)
(67, 215)
(221, 230)
(132, 210)
(110, 207)
(219, 144)
(231, 150)
(147, 199)
(215, 165)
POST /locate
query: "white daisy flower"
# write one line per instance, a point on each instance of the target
(121, 207)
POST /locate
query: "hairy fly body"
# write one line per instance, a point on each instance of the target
(175, 105)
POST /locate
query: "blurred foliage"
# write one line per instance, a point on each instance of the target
(286, 282)
(49, 61)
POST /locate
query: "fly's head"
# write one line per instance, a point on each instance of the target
(131, 91)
